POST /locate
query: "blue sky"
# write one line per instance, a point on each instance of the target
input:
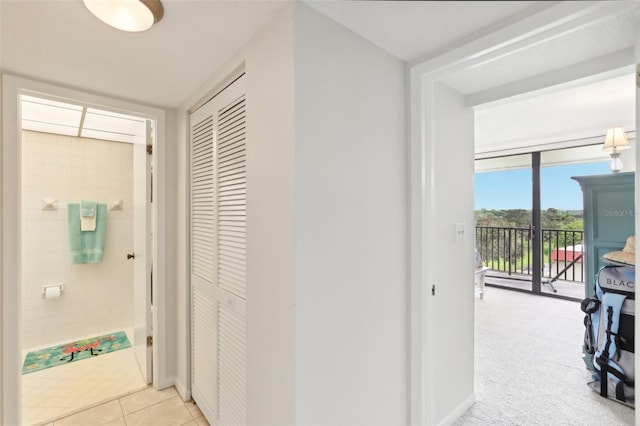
(511, 189)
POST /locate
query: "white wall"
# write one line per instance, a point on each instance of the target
(452, 308)
(2, 399)
(97, 297)
(351, 232)
(327, 226)
(268, 62)
(271, 250)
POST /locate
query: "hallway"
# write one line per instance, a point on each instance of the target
(144, 408)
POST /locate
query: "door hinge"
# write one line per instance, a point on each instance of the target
(150, 149)
(149, 341)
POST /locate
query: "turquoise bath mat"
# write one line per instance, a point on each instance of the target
(74, 351)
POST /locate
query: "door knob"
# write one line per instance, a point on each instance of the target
(131, 255)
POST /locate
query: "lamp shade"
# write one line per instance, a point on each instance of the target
(127, 15)
(615, 140)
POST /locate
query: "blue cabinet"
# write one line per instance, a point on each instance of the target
(609, 211)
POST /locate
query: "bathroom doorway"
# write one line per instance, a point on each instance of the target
(13, 88)
(86, 255)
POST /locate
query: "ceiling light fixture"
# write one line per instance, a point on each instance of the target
(127, 15)
(615, 141)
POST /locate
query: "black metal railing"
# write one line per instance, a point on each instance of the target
(510, 250)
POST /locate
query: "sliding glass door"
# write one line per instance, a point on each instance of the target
(561, 220)
(529, 219)
(503, 211)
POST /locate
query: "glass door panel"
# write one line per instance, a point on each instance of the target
(503, 213)
(561, 218)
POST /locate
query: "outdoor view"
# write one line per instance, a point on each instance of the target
(503, 216)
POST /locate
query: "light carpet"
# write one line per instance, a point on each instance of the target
(529, 368)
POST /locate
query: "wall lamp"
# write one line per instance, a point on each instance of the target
(615, 141)
(127, 15)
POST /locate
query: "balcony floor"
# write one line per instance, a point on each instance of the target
(572, 289)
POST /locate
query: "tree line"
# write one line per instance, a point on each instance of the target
(521, 218)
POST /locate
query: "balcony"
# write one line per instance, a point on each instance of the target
(508, 253)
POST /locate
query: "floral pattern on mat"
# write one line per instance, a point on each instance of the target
(74, 351)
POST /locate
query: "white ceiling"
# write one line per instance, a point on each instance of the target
(581, 112)
(578, 113)
(420, 29)
(584, 110)
(62, 42)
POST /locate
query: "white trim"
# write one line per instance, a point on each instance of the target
(186, 231)
(603, 68)
(13, 86)
(551, 146)
(11, 293)
(549, 23)
(637, 178)
(225, 81)
(417, 198)
(429, 245)
(219, 87)
(458, 411)
(183, 391)
(422, 189)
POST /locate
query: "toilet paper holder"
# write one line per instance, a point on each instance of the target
(47, 286)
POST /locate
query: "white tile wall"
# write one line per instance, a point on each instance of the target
(97, 297)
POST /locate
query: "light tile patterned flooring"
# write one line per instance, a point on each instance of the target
(104, 390)
(144, 408)
(55, 392)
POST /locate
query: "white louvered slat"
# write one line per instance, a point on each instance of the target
(203, 265)
(231, 367)
(202, 196)
(219, 257)
(231, 179)
(202, 335)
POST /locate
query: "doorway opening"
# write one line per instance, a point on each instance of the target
(436, 111)
(87, 302)
(85, 197)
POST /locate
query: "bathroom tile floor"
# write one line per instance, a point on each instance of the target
(55, 392)
(143, 408)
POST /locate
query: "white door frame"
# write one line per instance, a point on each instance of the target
(551, 22)
(12, 88)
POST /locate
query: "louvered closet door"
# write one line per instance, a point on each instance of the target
(218, 256)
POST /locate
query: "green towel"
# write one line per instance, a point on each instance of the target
(88, 208)
(87, 246)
